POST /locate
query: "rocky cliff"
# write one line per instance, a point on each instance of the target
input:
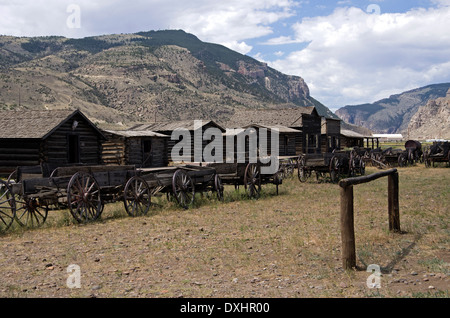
(393, 114)
(432, 121)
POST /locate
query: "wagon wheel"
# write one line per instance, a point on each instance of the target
(83, 197)
(334, 169)
(252, 180)
(427, 160)
(7, 207)
(183, 188)
(402, 161)
(30, 213)
(137, 196)
(362, 167)
(301, 171)
(289, 169)
(218, 187)
(352, 165)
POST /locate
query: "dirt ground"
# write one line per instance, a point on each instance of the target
(285, 246)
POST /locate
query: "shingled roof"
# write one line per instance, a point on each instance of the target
(287, 117)
(170, 126)
(34, 124)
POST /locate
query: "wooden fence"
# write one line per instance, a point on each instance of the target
(347, 215)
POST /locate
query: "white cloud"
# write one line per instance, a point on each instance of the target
(354, 57)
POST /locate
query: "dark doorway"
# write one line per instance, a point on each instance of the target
(73, 149)
(147, 153)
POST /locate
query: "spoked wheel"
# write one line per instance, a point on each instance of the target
(252, 180)
(334, 169)
(7, 207)
(83, 197)
(289, 171)
(137, 196)
(218, 186)
(301, 171)
(29, 213)
(362, 167)
(402, 161)
(183, 188)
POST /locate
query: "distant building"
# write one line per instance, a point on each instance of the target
(388, 137)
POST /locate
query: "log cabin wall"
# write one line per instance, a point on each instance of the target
(171, 143)
(18, 152)
(113, 150)
(143, 152)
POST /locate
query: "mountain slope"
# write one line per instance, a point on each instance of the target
(432, 120)
(147, 76)
(393, 114)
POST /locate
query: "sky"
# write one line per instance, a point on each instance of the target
(348, 51)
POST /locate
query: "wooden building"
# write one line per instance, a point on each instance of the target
(54, 137)
(350, 139)
(144, 149)
(286, 138)
(194, 127)
(304, 120)
(331, 134)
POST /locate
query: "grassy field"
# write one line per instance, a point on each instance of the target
(285, 245)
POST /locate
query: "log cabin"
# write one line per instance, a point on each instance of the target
(143, 149)
(194, 127)
(52, 137)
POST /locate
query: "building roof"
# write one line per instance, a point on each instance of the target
(280, 128)
(173, 125)
(393, 136)
(136, 133)
(35, 124)
(352, 134)
(287, 117)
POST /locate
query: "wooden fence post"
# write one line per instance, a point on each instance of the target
(394, 210)
(347, 217)
(347, 228)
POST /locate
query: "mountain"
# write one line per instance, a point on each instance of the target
(146, 76)
(393, 114)
(432, 121)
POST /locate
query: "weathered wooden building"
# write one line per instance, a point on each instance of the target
(144, 149)
(331, 134)
(286, 138)
(304, 120)
(350, 139)
(55, 137)
(192, 127)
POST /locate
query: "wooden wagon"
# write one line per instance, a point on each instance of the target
(84, 190)
(438, 152)
(183, 181)
(336, 164)
(247, 174)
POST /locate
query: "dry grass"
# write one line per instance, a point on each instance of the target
(278, 246)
